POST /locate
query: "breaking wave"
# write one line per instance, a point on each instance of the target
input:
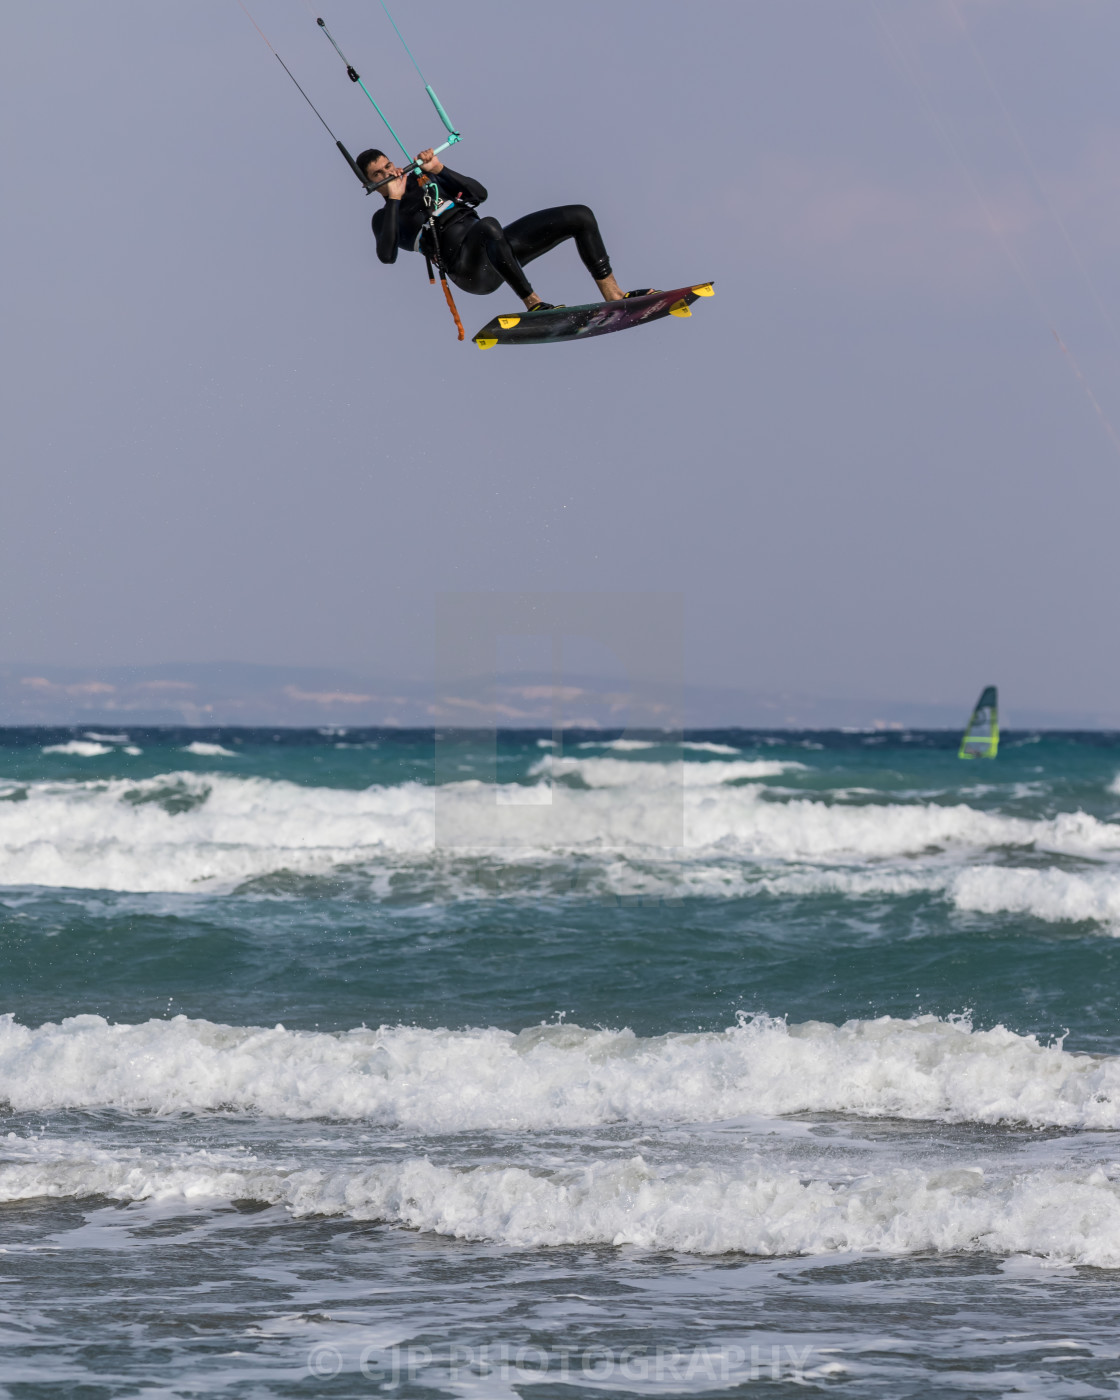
(1065, 1216)
(187, 831)
(559, 1076)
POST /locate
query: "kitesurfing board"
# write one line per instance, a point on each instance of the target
(597, 318)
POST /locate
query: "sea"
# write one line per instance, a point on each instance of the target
(357, 1062)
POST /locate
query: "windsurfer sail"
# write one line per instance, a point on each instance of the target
(981, 735)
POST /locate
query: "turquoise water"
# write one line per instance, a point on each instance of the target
(775, 1061)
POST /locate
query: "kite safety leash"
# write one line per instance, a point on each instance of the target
(429, 186)
(451, 305)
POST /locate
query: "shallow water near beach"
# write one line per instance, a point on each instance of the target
(767, 1063)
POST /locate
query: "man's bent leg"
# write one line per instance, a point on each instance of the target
(484, 260)
(539, 233)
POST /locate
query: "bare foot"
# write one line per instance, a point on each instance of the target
(531, 300)
(610, 289)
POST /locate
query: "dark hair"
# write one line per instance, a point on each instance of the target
(364, 159)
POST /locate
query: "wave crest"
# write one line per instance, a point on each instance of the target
(1066, 1216)
(560, 1076)
(186, 831)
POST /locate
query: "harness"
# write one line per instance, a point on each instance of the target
(436, 208)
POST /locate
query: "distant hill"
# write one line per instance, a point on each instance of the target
(240, 693)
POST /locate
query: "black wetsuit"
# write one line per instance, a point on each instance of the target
(479, 254)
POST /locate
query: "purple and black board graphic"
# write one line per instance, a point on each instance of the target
(597, 318)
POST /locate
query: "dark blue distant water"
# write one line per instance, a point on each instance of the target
(767, 1062)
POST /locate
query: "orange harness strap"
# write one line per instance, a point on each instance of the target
(451, 304)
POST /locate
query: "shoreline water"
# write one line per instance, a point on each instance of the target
(771, 1045)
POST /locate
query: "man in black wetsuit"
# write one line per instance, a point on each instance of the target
(478, 255)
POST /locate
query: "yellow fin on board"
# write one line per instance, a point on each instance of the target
(705, 290)
(484, 344)
(680, 308)
(507, 323)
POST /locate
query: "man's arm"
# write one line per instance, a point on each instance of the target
(451, 184)
(461, 187)
(386, 222)
(385, 227)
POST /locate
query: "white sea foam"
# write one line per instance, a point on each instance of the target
(1064, 1216)
(806, 829)
(619, 745)
(618, 772)
(559, 1076)
(185, 831)
(1069, 1217)
(634, 745)
(204, 750)
(79, 748)
(1057, 896)
(918, 877)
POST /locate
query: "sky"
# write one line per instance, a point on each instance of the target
(884, 459)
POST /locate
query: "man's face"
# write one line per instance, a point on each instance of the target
(380, 169)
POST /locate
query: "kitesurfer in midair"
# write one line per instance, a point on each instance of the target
(478, 254)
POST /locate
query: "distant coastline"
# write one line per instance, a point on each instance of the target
(223, 694)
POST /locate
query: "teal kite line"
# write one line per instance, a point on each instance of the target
(436, 103)
(407, 50)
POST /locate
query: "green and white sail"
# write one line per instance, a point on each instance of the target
(981, 735)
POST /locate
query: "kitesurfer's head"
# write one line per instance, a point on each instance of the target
(375, 165)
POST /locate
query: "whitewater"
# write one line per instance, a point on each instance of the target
(712, 828)
(315, 1047)
(559, 1076)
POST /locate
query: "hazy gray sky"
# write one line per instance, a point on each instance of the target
(867, 465)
